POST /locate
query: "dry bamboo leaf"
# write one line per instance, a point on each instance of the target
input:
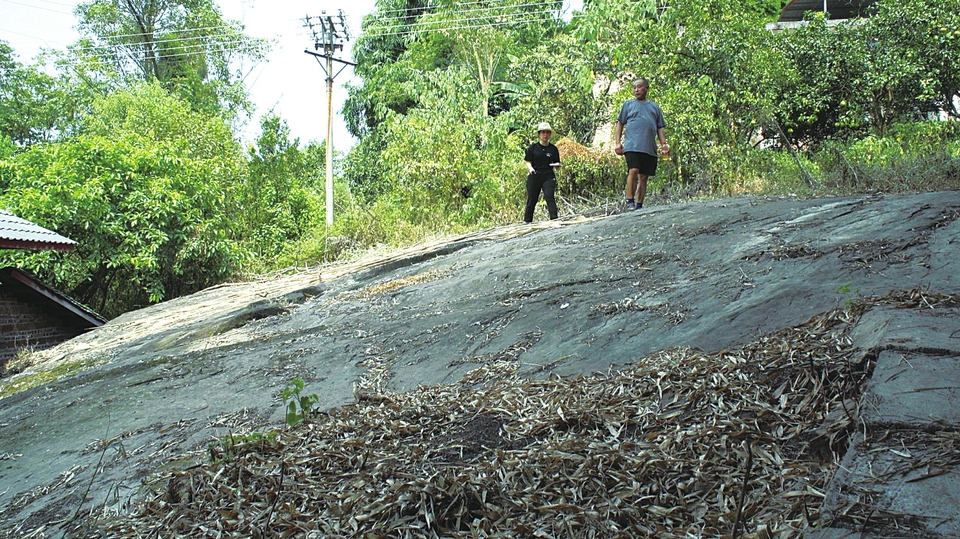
(651, 450)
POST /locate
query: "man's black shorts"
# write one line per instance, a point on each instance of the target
(645, 163)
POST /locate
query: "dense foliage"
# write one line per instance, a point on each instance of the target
(130, 149)
(145, 191)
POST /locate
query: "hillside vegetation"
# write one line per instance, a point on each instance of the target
(127, 141)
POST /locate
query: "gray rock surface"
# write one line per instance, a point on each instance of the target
(561, 298)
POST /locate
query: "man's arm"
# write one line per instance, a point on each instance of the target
(662, 136)
(617, 134)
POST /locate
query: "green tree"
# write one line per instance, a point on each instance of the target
(484, 36)
(561, 85)
(187, 45)
(146, 190)
(7, 148)
(34, 107)
(280, 197)
(828, 65)
(446, 156)
(864, 76)
(913, 68)
(408, 55)
(382, 42)
(404, 39)
(712, 70)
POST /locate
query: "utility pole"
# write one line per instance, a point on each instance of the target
(329, 33)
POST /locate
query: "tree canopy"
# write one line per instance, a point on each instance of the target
(186, 45)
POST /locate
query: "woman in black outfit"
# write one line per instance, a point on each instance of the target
(542, 158)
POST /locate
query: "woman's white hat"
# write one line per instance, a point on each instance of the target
(544, 126)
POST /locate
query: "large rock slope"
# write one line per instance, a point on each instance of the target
(560, 298)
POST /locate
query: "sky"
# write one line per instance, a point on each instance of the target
(290, 82)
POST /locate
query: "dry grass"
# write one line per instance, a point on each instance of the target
(680, 444)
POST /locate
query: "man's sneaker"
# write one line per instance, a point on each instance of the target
(639, 206)
(631, 205)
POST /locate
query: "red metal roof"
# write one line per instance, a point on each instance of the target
(17, 233)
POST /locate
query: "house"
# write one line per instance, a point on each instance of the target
(34, 316)
(838, 10)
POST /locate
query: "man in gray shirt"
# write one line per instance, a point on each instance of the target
(642, 122)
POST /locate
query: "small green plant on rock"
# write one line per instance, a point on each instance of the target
(298, 406)
(844, 291)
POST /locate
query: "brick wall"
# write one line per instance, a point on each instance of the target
(27, 322)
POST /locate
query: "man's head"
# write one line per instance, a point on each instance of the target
(640, 87)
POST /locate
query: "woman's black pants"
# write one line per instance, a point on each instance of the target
(535, 184)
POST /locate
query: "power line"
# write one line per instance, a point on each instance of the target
(164, 52)
(462, 19)
(204, 49)
(170, 42)
(199, 49)
(24, 35)
(439, 26)
(471, 18)
(522, 20)
(45, 41)
(175, 46)
(468, 14)
(109, 46)
(462, 8)
(76, 65)
(32, 6)
(148, 34)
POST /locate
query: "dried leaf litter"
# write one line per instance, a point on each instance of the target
(678, 444)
